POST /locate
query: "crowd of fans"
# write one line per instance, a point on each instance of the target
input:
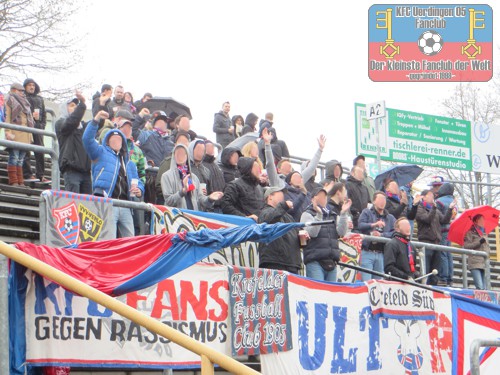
(125, 152)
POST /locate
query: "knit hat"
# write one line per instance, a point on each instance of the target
(288, 177)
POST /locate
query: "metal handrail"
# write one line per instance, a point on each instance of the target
(464, 252)
(474, 353)
(53, 152)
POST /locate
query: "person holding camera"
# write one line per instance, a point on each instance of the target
(375, 221)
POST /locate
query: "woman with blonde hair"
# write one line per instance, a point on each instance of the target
(251, 150)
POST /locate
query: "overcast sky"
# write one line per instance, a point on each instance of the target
(305, 61)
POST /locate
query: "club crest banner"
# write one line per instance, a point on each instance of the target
(76, 218)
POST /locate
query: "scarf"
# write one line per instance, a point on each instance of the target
(161, 133)
(19, 105)
(411, 260)
(184, 171)
(427, 206)
(394, 197)
(479, 230)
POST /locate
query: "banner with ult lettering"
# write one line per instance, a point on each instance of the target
(334, 332)
(66, 329)
(260, 318)
(74, 218)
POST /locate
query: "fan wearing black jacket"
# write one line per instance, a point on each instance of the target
(399, 255)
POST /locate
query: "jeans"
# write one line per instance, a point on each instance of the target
(432, 262)
(372, 260)
(77, 182)
(39, 159)
(124, 221)
(478, 277)
(16, 158)
(315, 271)
(446, 270)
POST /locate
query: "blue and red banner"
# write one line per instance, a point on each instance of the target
(261, 317)
(430, 43)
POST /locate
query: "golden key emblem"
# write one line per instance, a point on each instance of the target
(471, 49)
(389, 49)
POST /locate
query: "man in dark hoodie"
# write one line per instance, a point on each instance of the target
(223, 127)
(333, 172)
(74, 162)
(243, 196)
(118, 101)
(32, 91)
(278, 146)
(250, 123)
(229, 164)
(444, 199)
(101, 101)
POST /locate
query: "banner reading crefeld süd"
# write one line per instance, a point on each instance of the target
(75, 218)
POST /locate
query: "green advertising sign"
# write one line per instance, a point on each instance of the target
(415, 138)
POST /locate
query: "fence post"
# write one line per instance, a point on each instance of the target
(4, 313)
(465, 283)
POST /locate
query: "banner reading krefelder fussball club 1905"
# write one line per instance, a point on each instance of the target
(430, 43)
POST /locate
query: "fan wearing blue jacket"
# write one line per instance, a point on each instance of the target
(112, 171)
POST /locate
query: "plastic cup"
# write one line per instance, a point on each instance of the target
(303, 237)
(134, 183)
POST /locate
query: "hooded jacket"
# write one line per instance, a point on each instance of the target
(250, 122)
(216, 176)
(69, 130)
(199, 170)
(154, 145)
(171, 186)
(36, 102)
(329, 169)
(230, 172)
(284, 250)
(243, 196)
(222, 123)
(443, 201)
(106, 163)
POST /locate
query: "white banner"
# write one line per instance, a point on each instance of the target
(67, 329)
(334, 333)
(485, 152)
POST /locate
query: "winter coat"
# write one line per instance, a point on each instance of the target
(329, 168)
(69, 130)
(154, 145)
(278, 147)
(96, 105)
(250, 122)
(429, 223)
(106, 163)
(243, 196)
(216, 175)
(199, 169)
(396, 260)
(300, 201)
(221, 126)
(20, 115)
(395, 208)
(472, 238)
(230, 172)
(284, 250)
(323, 243)
(171, 185)
(443, 201)
(370, 185)
(36, 102)
(370, 216)
(358, 193)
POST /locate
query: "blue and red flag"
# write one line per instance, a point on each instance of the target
(124, 265)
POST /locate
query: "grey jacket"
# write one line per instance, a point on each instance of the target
(472, 238)
(221, 129)
(171, 187)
